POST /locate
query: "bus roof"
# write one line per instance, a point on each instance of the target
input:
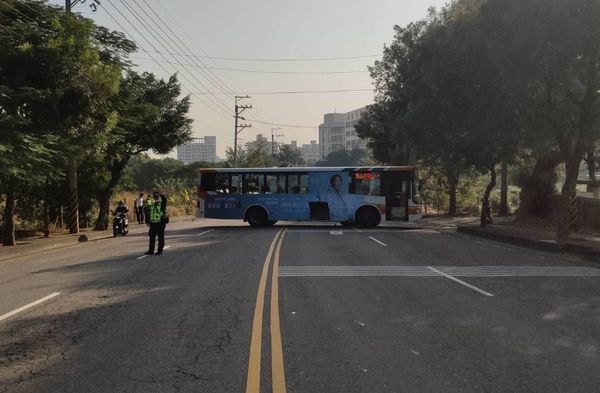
(309, 169)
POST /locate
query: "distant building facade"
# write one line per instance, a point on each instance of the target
(337, 132)
(261, 143)
(310, 151)
(199, 149)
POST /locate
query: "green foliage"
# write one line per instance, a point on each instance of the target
(352, 157)
(287, 156)
(257, 158)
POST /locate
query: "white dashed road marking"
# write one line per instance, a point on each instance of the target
(205, 232)
(460, 282)
(27, 306)
(377, 241)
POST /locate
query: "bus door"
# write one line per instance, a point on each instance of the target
(396, 186)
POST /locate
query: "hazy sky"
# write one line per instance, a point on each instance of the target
(265, 29)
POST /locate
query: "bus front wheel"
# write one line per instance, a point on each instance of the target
(368, 217)
(257, 217)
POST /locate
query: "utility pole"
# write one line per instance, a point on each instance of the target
(273, 136)
(69, 4)
(72, 164)
(239, 127)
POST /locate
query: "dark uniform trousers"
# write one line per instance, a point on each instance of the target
(157, 229)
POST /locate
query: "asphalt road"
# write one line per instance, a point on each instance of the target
(299, 308)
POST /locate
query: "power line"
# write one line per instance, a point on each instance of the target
(282, 125)
(161, 40)
(156, 61)
(226, 88)
(166, 11)
(178, 53)
(270, 71)
(289, 60)
(218, 108)
(211, 75)
(37, 23)
(297, 91)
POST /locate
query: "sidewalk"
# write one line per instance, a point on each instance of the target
(584, 245)
(36, 245)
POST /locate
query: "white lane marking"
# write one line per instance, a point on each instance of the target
(142, 257)
(165, 247)
(32, 304)
(377, 241)
(357, 230)
(336, 232)
(205, 232)
(460, 281)
(424, 271)
(502, 247)
(413, 351)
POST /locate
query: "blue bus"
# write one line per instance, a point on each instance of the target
(362, 196)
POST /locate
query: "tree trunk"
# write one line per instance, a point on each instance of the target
(8, 232)
(104, 204)
(72, 198)
(486, 216)
(452, 186)
(567, 214)
(116, 171)
(503, 211)
(535, 197)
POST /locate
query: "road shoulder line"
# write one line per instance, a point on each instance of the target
(28, 306)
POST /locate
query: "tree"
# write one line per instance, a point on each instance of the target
(257, 158)
(288, 156)
(558, 61)
(150, 116)
(86, 79)
(27, 145)
(343, 158)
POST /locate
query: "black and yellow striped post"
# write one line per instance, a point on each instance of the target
(573, 212)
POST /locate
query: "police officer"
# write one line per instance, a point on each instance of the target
(156, 219)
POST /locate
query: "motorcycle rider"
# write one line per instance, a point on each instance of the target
(122, 209)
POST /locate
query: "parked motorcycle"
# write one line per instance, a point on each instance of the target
(120, 224)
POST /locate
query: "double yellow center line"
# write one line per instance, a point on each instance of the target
(277, 369)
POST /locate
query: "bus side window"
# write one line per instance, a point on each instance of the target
(366, 183)
(253, 183)
(270, 184)
(222, 183)
(293, 185)
(208, 182)
(281, 184)
(303, 184)
(236, 184)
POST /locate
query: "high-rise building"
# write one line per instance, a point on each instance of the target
(337, 132)
(198, 149)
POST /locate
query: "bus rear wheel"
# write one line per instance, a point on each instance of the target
(368, 217)
(257, 217)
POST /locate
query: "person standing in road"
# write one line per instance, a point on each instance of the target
(156, 220)
(139, 208)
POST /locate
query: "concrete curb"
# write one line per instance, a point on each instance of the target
(588, 253)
